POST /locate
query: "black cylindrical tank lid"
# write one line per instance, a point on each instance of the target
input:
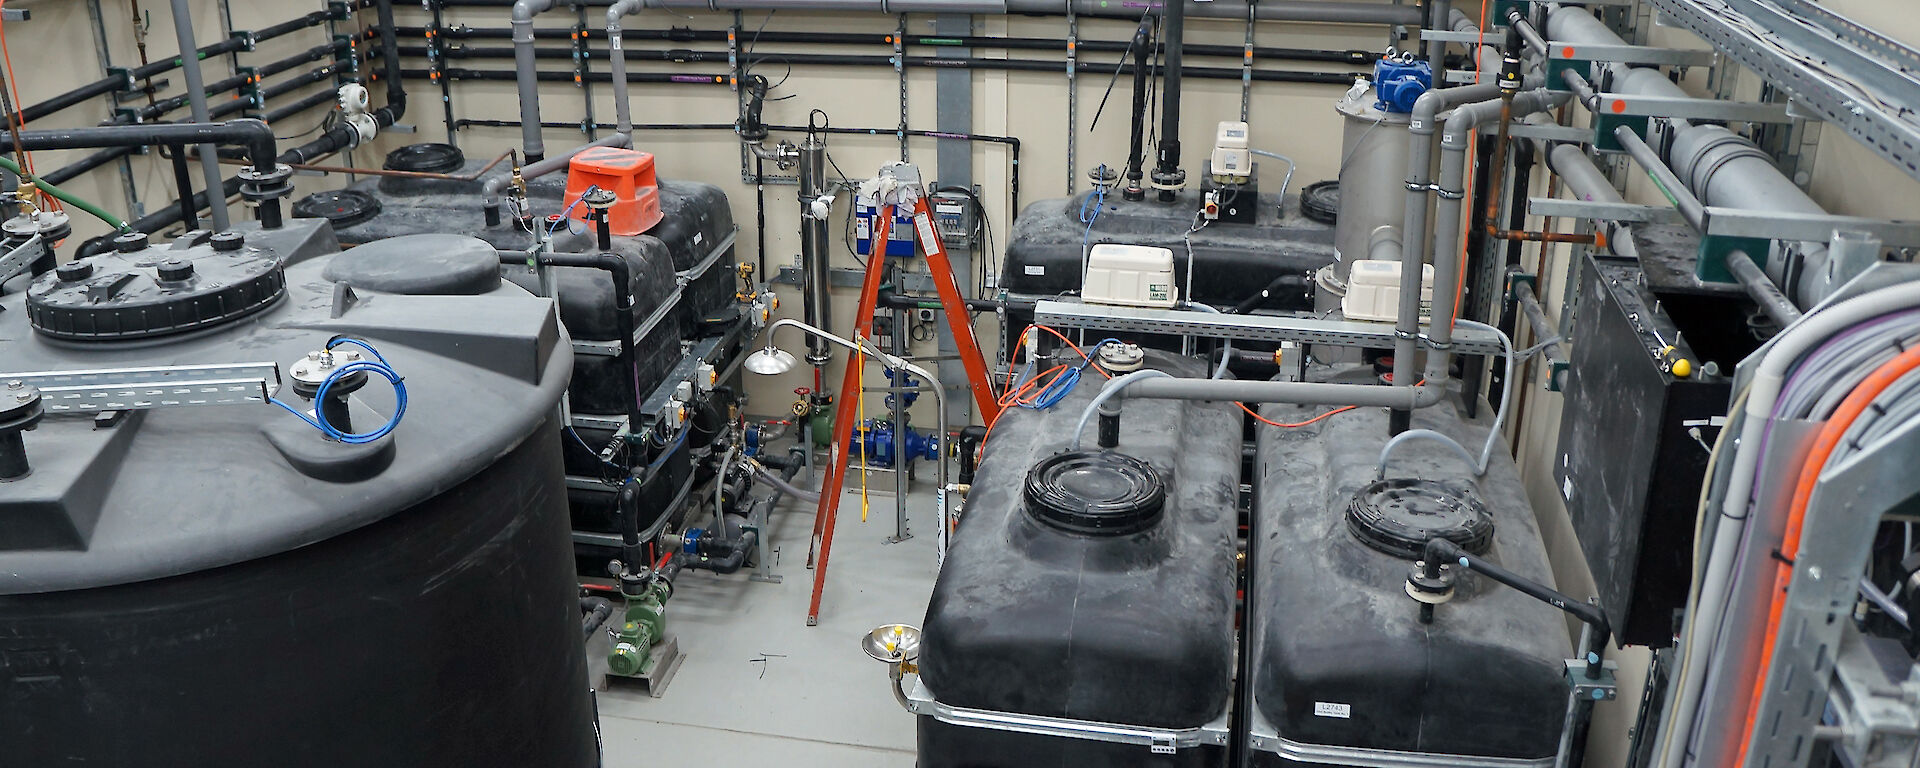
(342, 207)
(153, 292)
(1095, 492)
(1400, 515)
(426, 158)
(1320, 201)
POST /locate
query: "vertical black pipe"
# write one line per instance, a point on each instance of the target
(1136, 152)
(1484, 186)
(1167, 171)
(1523, 159)
(183, 183)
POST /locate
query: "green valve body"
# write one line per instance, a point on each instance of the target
(645, 624)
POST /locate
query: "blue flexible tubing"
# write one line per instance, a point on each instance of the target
(382, 367)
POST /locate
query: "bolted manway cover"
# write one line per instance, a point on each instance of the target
(1400, 515)
(199, 281)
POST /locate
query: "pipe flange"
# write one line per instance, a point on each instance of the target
(1432, 590)
(1168, 181)
(19, 407)
(257, 186)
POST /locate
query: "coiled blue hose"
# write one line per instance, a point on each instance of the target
(381, 367)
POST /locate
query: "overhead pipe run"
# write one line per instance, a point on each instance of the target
(266, 187)
(1317, 11)
(351, 133)
(1353, 56)
(1720, 168)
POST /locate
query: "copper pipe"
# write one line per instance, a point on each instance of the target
(1595, 239)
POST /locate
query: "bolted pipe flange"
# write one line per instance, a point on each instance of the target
(20, 410)
(257, 185)
(309, 372)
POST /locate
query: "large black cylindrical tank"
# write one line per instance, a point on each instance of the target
(1118, 613)
(1341, 668)
(221, 585)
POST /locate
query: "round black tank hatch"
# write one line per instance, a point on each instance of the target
(1321, 201)
(420, 265)
(342, 207)
(426, 158)
(154, 291)
(1095, 492)
(1399, 516)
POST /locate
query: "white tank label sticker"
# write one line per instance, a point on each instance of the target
(1036, 269)
(1330, 709)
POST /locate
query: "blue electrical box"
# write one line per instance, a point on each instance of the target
(899, 238)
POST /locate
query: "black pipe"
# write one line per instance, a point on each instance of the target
(1137, 119)
(616, 267)
(183, 182)
(685, 35)
(1524, 157)
(971, 437)
(1291, 283)
(597, 611)
(892, 300)
(1166, 172)
(831, 60)
(627, 506)
(344, 136)
(1440, 551)
(117, 84)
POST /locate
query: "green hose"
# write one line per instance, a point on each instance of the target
(67, 197)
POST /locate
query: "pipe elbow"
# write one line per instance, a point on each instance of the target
(525, 10)
(258, 138)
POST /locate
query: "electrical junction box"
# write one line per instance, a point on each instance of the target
(1232, 160)
(1134, 275)
(1373, 291)
(900, 241)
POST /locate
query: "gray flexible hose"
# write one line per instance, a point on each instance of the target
(773, 478)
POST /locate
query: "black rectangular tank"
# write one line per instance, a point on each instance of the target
(1121, 611)
(1341, 668)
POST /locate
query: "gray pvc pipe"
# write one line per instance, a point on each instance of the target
(1421, 128)
(1762, 290)
(617, 64)
(1721, 169)
(1486, 58)
(1448, 235)
(526, 75)
(1299, 392)
(197, 100)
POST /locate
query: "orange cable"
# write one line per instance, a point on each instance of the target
(1282, 425)
(1830, 435)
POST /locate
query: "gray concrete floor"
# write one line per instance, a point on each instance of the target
(760, 687)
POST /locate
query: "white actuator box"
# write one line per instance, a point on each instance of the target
(1373, 291)
(1231, 158)
(1136, 275)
